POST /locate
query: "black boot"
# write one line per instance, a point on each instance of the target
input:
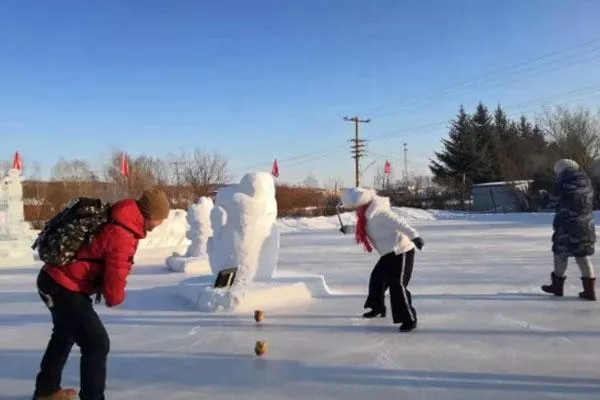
(408, 326)
(589, 290)
(373, 313)
(557, 286)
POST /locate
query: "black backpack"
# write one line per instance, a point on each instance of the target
(70, 229)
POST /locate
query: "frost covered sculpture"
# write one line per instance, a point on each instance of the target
(16, 236)
(245, 230)
(246, 236)
(195, 259)
(198, 218)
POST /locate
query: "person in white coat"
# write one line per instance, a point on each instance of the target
(379, 228)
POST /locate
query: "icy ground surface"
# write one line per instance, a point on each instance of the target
(485, 331)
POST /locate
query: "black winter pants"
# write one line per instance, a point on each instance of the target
(393, 271)
(75, 322)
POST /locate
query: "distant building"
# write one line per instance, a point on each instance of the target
(507, 196)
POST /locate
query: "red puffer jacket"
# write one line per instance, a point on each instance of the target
(105, 263)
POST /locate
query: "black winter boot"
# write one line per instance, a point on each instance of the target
(374, 313)
(408, 326)
(557, 286)
(589, 290)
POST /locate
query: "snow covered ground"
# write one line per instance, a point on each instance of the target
(485, 331)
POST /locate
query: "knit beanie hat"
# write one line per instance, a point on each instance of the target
(154, 205)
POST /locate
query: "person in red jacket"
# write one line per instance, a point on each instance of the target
(101, 269)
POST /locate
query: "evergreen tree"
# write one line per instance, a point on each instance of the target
(500, 123)
(507, 137)
(483, 130)
(461, 160)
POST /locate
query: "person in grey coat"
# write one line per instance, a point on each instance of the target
(574, 228)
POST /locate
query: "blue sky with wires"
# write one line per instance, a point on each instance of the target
(264, 79)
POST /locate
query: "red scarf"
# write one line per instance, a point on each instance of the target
(361, 228)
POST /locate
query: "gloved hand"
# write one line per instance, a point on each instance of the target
(419, 243)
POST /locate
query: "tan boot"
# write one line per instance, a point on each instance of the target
(62, 394)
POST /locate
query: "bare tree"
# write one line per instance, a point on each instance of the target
(76, 170)
(380, 179)
(76, 176)
(334, 184)
(573, 134)
(201, 170)
(310, 182)
(422, 182)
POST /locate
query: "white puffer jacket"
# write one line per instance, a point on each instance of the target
(387, 231)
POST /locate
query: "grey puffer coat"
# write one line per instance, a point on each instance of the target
(574, 226)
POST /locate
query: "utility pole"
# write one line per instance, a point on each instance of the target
(357, 147)
(405, 167)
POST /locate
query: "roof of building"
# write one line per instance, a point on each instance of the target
(502, 183)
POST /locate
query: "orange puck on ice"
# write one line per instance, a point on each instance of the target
(260, 348)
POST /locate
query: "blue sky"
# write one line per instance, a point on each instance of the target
(262, 79)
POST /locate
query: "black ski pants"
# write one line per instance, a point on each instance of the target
(393, 271)
(74, 322)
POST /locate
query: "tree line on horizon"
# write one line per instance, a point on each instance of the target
(489, 146)
(480, 147)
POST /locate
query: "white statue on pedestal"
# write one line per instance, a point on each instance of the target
(198, 217)
(195, 259)
(11, 205)
(246, 234)
(16, 235)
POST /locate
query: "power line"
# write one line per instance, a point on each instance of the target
(462, 92)
(325, 151)
(498, 71)
(533, 104)
(430, 95)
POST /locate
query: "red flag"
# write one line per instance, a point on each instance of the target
(275, 169)
(124, 165)
(387, 169)
(18, 161)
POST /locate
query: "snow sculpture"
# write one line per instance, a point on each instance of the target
(195, 259)
(198, 218)
(246, 234)
(16, 236)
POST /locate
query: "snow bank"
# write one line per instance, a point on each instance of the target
(16, 252)
(170, 234)
(287, 225)
(543, 218)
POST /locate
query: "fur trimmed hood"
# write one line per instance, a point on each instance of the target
(561, 165)
(356, 197)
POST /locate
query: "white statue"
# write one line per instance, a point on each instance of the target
(199, 231)
(198, 218)
(16, 235)
(245, 230)
(11, 205)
